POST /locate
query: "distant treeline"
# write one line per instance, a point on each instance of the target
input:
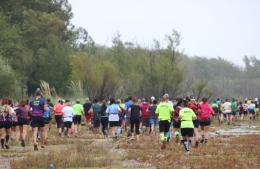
(38, 42)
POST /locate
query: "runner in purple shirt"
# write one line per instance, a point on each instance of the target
(38, 105)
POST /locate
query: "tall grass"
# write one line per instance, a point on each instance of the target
(76, 89)
(47, 91)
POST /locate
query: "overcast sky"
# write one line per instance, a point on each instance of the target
(210, 28)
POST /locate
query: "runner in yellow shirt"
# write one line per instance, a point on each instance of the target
(164, 112)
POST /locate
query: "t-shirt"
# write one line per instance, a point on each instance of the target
(78, 109)
(113, 112)
(251, 107)
(96, 110)
(87, 107)
(135, 112)
(37, 106)
(152, 110)
(145, 110)
(214, 105)
(164, 110)
(67, 113)
(234, 106)
(227, 107)
(186, 116)
(103, 110)
(47, 113)
(58, 109)
(21, 112)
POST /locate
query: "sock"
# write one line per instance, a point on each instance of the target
(186, 145)
(162, 137)
(7, 139)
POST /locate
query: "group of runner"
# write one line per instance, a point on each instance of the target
(132, 116)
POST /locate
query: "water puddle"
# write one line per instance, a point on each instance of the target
(236, 131)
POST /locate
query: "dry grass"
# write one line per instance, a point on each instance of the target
(222, 152)
(75, 156)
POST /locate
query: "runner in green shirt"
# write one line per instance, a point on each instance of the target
(164, 112)
(78, 112)
(187, 127)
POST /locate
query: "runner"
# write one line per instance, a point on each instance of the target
(78, 112)
(128, 104)
(205, 119)
(58, 115)
(241, 110)
(113, 111)
(14, 129)
(251, 110)
(145, 116)
(5, 123)
(87, 113)
(187, 118)
(164, 111)
(104, 119)
(228, 111)
(135, 114)
(67, 113)
(38, 106)
(234, 110)
(96, 109)
(23, 120)
(153, 118)
(176, 120)
(192, 104)
(47, 117)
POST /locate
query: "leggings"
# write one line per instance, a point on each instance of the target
(135, 123)
(104, 123)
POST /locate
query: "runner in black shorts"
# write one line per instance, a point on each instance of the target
(135, 113)
(5, 123)
(38, 105)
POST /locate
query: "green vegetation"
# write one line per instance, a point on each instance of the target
(39, 43)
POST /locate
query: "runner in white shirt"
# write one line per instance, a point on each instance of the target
(228, 111)
(68, 114)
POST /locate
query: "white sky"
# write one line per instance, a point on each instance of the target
(211, 28)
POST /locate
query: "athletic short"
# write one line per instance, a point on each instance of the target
(228, 114)
(77, 119)
(46, 120)
(164, 126)
(252, 112)
(58, 119)
(14, 123)
(152, 121)
(196, 123)
(187, 132)
(23, 121)
(37, 121)
(145, 122)
(68, 124)
(114, 124)
(176, 124)
(5, 124)
(205, 122)
(234, 113)
(96, 122)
